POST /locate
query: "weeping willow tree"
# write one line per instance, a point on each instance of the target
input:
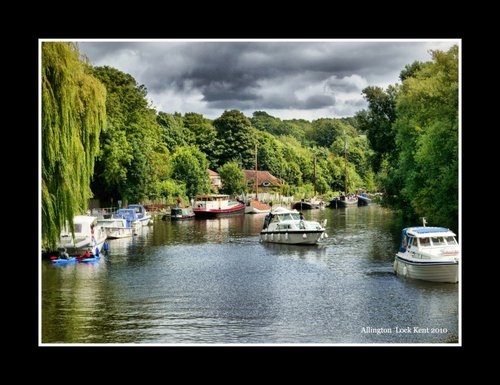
(73, 114)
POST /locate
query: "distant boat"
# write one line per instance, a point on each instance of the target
(363, 200)
(308, 205)
(429, 254)
(178, 213)
(216, 206)
(142, 214)
(88, 236)
(257, 207)
(343, 202)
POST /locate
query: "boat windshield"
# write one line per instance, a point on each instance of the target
(424, 242)
(289, 217)
(451, 240)
(438, 241)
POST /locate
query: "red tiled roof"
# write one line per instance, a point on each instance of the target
(212, 173)
(262, 176)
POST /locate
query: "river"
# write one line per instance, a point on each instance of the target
(213, 282)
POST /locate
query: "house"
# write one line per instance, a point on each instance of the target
(215, 181)
(265, 180)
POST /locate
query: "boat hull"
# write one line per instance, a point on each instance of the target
(211, 214)
(254, 210)
(363, 201)
(144, 221)
(292, 237)
(81, 247)
(182, 217)
(427, 271)
(118, 232)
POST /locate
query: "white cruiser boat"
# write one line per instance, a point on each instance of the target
(141, 213)
(285, 226)
(88, 235)
(429, 254)
(116, 227)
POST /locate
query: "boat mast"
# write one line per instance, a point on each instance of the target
(256, 178)
(345, 161)
(314, 172)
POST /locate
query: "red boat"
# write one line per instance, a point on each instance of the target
(216, 206)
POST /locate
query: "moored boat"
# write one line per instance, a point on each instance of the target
(286, 226)
(179, 213)
(257, 207)
(363, 200)
(88, 236)
(429, 254)
(216, 206)
(130, 216)
(116, 227)
(343, 202)
(141, 213)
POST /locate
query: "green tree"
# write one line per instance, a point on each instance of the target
(190, 166)
(173, 132)
(204, 136)
(236, 138)
(426, 172)
(233, 179)
(377, 122)
(128, 166)
(73, 115)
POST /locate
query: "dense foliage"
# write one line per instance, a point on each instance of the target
(73, 115)
(419, 171)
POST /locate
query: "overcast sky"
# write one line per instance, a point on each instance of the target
(287, 79)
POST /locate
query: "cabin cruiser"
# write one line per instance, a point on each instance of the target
(88, 236)
(141, 213)
(429, 254)
(130, 216)
(116, 227)
(287, 226)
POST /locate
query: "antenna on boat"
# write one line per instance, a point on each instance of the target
(424, 221)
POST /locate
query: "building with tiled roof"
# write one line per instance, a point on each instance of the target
(265, 180)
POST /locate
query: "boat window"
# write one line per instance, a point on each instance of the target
(438, 241)
(405, 244)
(451, 240)
(78, 227)
(424, 242)
(411, 242)
(295, 217)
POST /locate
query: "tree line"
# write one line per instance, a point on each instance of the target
(102, 138)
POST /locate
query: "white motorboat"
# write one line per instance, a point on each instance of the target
(116, 227)
(429, 254)
(88, 235)
(141, 213)
(286, 226)
(130, 216)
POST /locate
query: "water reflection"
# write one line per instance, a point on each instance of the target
(212, 281)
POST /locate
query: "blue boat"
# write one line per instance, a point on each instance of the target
(62, 261)
(141, 213)
(131, 217)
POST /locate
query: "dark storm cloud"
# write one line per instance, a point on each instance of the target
(259, 75)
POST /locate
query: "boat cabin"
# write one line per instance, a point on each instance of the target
(211, 201)
(427, 239)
